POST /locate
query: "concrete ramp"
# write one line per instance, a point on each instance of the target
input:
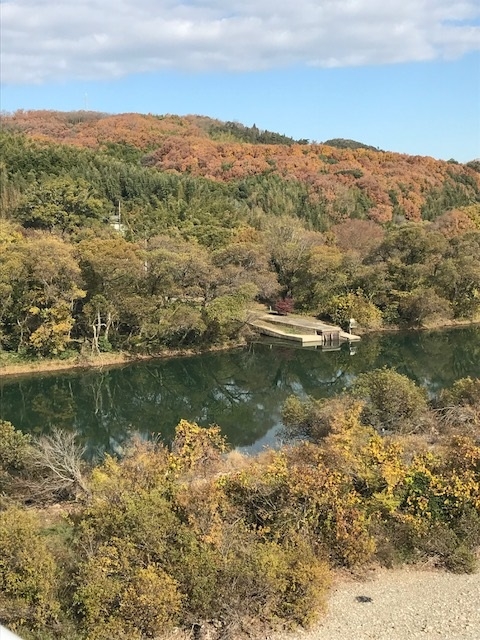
(301, 329)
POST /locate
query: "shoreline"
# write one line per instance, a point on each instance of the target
(110, 360)
(118, 359)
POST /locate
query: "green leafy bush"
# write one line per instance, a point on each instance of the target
(118, 595)
(393, 402)
(15, 450)
(465, 391)
(28, 574)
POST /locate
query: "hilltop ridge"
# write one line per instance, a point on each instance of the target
(353, 179)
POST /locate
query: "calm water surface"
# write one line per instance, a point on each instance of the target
(242, 390)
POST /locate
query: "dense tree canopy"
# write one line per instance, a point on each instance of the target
(139, 232)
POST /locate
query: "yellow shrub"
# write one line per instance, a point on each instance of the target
(116, 593)
(28, 575)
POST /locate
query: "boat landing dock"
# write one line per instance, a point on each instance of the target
(306, 331)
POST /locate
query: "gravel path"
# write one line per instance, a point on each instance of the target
(400, 605)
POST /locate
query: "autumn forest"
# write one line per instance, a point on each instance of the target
(147, 234)
(141, 232)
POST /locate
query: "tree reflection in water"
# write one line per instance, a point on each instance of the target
(241, 390)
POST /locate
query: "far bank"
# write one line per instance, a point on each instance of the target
(12, 365)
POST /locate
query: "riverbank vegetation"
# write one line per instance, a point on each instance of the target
(192, 537)
(143, 233)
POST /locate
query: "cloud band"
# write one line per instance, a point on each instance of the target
(55, 40)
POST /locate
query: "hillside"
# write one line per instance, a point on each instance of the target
(146, 233)
(356, 181)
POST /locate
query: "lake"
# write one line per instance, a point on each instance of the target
(242, 390)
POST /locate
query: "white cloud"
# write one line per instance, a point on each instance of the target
(48, 40)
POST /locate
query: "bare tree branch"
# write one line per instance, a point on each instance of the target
(59, 460)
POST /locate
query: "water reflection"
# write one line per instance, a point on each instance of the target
(242, 390)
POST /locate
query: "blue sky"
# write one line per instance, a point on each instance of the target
(403, 75)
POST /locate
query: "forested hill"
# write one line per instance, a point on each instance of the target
(342, 178)
(146, 232)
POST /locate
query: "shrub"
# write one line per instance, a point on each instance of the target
(314, 419)
(59, 469)
(413, 542)
(272, 582)
(14, 447)
(423, 306)
(304, 419)
(28, 575)
(197, 449)
(145, 465)
(162, 533)
(298, 492)
(465, 391)
(15, 451)
(118, 597)
(392, 402)
(342, 307)
(461, 560)
(143, 554)
(284, 306)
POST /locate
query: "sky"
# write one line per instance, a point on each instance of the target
(401, 75)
